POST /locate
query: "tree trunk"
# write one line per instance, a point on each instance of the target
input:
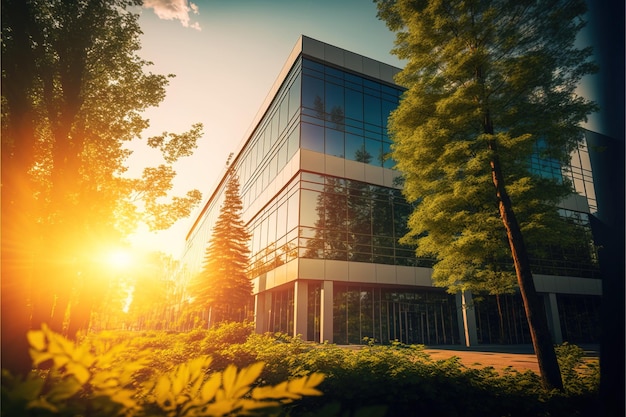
(533, 306)
(501, 318)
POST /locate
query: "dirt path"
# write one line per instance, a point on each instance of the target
(499, 360)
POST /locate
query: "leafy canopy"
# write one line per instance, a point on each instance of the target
(484, 79)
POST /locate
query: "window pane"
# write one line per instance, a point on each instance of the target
(354, 104)
(312, 89)
(312, 137)
(294, 97)
(308, 213)
(334, 142)
(375, 149)
(354, 145)
(334, 103)
(372, 110)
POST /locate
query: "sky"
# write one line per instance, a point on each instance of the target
(226, 55)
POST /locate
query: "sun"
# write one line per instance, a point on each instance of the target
(119, 259)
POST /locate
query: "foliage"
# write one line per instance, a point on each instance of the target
(372, 380)
(84, 379)
(223, 287)
(74, 90)
(490, 85)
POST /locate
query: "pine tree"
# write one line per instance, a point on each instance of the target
(487, 81)
(223, 287)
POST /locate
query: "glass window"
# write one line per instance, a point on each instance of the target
(333, 72)
(307, 63)
(333, 104)
(372, 110)
(334, 142)
(294, 97)
(354, 104)
(294, 142)
(281, 220)
(292, 211)
(387, 108)
(271, 228)
(308, 213)
(375, 150)
(312, 92)
(354, 144)
(284, 115)
(312, 137)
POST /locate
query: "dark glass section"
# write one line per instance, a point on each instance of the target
(281, 314)
(386, 315)
(314, 311)
(351, 220)
(580, 318)
(501, 319)
(346, 102)
(577, 257)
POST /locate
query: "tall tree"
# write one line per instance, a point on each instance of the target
(486, 81)
(223, 287)
(73, 90)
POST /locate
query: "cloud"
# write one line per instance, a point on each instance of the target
(174, 10)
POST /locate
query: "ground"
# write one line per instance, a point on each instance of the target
(519, 357)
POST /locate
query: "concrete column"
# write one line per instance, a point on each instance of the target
(552, 312)
(300, 306)
(326, 312)
(467, 318)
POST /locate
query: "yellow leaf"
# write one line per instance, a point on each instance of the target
(162, 389)
(210, 387)
(229, 377)
(37, 339)
(81, 373)
(248, 375)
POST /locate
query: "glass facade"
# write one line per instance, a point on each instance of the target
(306, 216)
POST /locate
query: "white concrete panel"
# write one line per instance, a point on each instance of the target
(355, 170)
(386, 274)
(334, 166)
(292, 268)
(405, 275)
(311, 161)
(280, 276)
(374, 175)
(270, 282)
(423, 277)
(336, 270)
(311, 268)
(361, 272)
(389, 176)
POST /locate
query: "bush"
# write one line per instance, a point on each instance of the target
(158, 374)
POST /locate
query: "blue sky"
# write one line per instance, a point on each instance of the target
(226, 54)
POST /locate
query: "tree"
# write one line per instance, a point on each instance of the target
(73, 90)
(487, 81)
(223, 286)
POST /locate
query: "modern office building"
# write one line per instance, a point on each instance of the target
(325, 212)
